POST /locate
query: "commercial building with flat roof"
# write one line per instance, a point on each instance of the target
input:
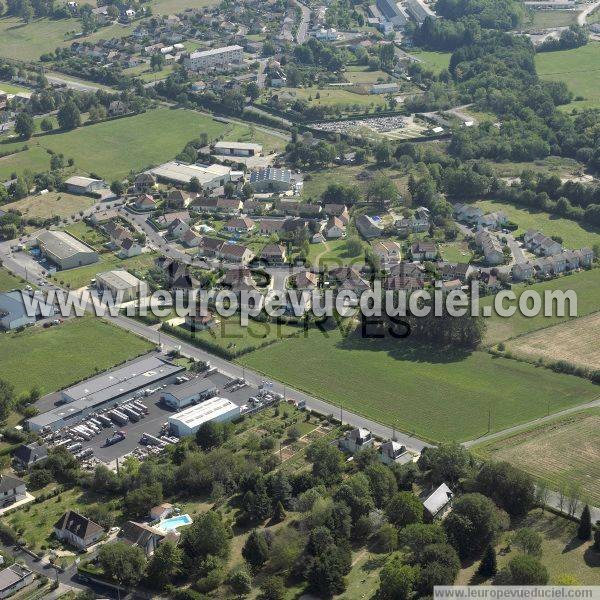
(271, 179)
(187, 422)
(120, 384)
(66, 251)
(123, 283)
(180, 395)
(209, 176)
(214, 58)
(393, 12)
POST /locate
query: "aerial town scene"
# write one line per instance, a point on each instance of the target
(299, 299)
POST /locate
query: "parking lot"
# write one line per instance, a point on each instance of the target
(153, 423)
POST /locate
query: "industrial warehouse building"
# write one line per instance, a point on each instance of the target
(187, 422)
(180, 395)
(209, 176)
(94, 394)
(121, 282)
(271, 179)
(66, 251)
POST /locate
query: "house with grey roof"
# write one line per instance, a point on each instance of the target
(392, 452)
(77, 530)
(27, 455)
(14, 578)
(356, 439)
(438, 503)
(12, 489)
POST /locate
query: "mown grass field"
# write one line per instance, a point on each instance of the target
(362, 74)
(333, 97)
(561, 452)
(9, 282)
(586, 285)
(439, 395)
(113, 148)
(556, 165)
(575, 342)
(10, 88)
(61, 204)
(457, 251)
(573, 234)
(434, 61)
(542, 19)
(334, 253)
(562, 552)
(53, 358)
(578, 68)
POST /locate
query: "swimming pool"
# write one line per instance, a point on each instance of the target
(175, 522)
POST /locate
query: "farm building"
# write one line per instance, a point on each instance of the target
(209, 176)
(83, 185)
(66, 251)
(121, 283)
(84, 398)
(180, 395)
(238, 149)
(187, 422)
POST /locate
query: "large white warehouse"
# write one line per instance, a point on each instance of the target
(187, 422)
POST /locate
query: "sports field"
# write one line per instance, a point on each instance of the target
(54, 203)
(573, 234)
(586, 285)
(438, 395)
(40, 357)
(113, 148)
(435, 61)
(578, 68)
(561, 452)
(575, 342)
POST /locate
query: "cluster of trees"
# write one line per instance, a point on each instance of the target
(573, 37)
(30, 9)
(490, 14)
(316, 53)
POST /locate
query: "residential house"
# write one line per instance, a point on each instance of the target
(388, 252)
(77, 530)
(449, 271)
(423, 250)
(210, 246)
(173, 268)
(145, 202)
(356, 439)
(185, 283)
(229, 206)
(190, 239)
(495, 220)
(27, 455)
(467, 213)
(270, 226)
(239, 279)
(12, 489)
(143, 536)
(240, 225)
(205, 204)
(491, 247)
(348, 278)
(392, 452)
(161, 511)
(337, 210)
(255, 207)
(522, 271)
(200, 322)
(438, 504)
(405, 276)
(335, 228)
(178, 199)
(317, 238)
(236, 253)
(144, 182)
(451, 285)
(273, 254)
(129, 248)
(177, 228)
(368, 227)
(540, 244)
(165, 220)
(14, 578)
(306, 280)
(116, 232)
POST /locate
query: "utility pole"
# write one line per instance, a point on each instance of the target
(341, 415)
(489, 419)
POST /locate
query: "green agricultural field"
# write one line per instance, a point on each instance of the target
(167, 7)
(543, 19)
(37, 356)
(360, 74)
(555, 165)
(438, 395)
(548, 453)
(333, 97)
(120, 146)
(435, 61)
(578, 68)
(586, 284)
(61, 204)
(9, 282)
(11, 88)
(573, 234)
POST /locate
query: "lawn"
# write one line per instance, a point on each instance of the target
(11, 88)
(556, 165)
(61, 204)
(573, 234)
(578, 68)
(120, 146)
(332, 97)
(546, 19)
(239, 132)
(435, 394)
(457, 251)
(435, 61)
(9, 282)
(334, 253)
(562, 452)
(362, 74)
(586, 285)
(562, 552)
(89, 235)
(54, 358)
(81, 276)
(37, 520)
(167, 7)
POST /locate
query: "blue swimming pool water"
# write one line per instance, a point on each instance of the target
(175, 522)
